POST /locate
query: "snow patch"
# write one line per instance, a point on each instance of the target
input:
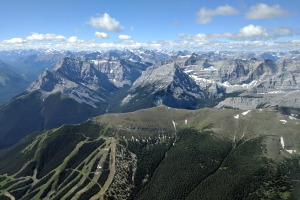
(174, 124)
(187, 56)
(292, 117)
(283, 121)
(97, 62)
(128, 98)
(158, 101)
(282, 142)
(276, 92)
(273, 92)
(246, 112)
(211, 68)
(236, 116)
(188, 71)
(291, 151)
(200, 80)
(225, 84)
(236, 86)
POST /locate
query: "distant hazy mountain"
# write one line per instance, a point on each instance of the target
(230, 55)
(11, 83)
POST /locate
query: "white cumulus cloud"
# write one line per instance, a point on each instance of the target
(196, 37)
(250, 32)
(15, 41)
(183, 43)
(205, 15)
(102, 35)
(106, 23)
(46, 37)
(124, 37)
(281, 31)
(263, 11)
(73, 39)
(247, 38)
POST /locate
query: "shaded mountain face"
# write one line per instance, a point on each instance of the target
(71, 92)
(33, 111)
(159, 153)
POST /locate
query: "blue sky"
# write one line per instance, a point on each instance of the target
(165, 24)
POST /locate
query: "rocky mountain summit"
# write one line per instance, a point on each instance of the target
(79, 80)
(165, 85)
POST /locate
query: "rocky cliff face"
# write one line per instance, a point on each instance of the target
(239, 75)
(165, 85)
(120, 72)
(260, 76)
(79, 80)
(288, 99)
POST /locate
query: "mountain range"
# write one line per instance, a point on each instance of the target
(90, 84)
